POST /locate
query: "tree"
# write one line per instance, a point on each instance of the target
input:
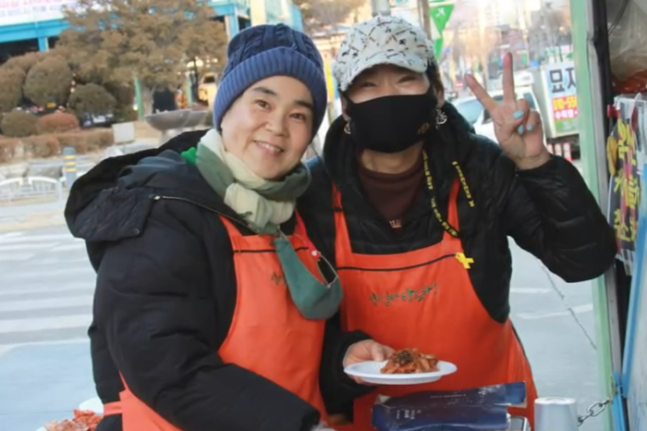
(150, 40)
(27, 61)
(11, 89)
(91, 99)
(321, 15)
(49, 81)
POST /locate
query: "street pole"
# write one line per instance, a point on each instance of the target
(69, 166)
(380, 7)
(423, 8)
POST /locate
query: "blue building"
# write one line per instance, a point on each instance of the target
(36, 26)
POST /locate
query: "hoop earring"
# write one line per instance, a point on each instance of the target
(347, 128)
(441, 117)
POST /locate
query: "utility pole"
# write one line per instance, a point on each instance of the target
(423, 10)
(380, 7)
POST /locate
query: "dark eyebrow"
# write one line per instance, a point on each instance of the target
(305, 104)
(272, 93)
(265, 91)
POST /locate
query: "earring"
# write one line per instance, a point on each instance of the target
(347, 128)
(441, 117)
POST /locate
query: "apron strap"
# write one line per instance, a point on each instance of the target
(336, 199)
(111, 409)
(301, 233)
(114, 408)
(452, 209)
(342, 238)
(231, 229)
(452, 218)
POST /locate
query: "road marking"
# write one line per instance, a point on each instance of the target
(76, 246)
(4, 236)
(36, 238)
(14, 247)
(529, 290)
(15, 257)
(6, 348)
(58, 260)
(44, 288)
(47, 273)
(44, 304)
(536, 316)
(45, 323)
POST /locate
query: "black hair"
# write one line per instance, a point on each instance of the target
(433, 73)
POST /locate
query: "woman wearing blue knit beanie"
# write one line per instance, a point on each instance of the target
(211, 303)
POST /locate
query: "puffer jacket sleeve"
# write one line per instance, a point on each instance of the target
(550, 212)
(337, 388)
(161, 335)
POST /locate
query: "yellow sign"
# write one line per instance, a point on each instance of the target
(330, 82)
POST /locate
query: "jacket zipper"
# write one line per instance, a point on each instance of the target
(204, 207)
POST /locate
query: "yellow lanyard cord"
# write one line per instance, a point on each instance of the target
(434, 204)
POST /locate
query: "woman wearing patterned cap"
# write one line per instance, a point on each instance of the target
(414, 212)
(210, 307)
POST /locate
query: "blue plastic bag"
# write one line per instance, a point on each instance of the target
(478, 409)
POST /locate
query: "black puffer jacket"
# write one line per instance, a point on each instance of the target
(165, 297)
(548, 211)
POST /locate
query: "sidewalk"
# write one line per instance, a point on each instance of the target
(31, 216)
(555, 322)
(26, 216)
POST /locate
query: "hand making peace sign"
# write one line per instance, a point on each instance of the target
(517, 128)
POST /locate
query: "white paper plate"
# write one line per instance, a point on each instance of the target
(370, 373)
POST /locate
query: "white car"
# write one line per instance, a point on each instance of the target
(472, 110)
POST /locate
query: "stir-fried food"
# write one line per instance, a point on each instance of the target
(84, 420)
(409, 361)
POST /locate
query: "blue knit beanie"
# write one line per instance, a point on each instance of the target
(263, 51)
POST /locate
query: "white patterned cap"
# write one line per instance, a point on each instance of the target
(382, 40)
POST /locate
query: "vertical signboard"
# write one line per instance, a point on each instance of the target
(562, 95)
(624, 149)
(634, 379)
(440, 11)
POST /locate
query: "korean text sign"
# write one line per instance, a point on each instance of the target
(562, 96)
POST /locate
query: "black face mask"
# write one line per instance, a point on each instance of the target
(391, 124)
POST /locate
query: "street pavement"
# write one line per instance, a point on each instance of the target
(46, 286)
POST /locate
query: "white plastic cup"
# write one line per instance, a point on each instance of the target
(556, 414)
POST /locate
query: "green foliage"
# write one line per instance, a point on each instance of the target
(49, 81)
(91, 99)
(152, 40)
(11, 88)
(18, 124)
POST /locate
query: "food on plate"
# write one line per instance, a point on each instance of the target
(84, 420)
(410, 361)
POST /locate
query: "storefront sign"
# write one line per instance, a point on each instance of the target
(14, 12)
(626, 152)
(562, 92)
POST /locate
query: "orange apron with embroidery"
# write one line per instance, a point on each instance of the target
(425, 299)
(291, 345)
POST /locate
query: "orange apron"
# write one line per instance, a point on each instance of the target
(425, 299)
(291, 345)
